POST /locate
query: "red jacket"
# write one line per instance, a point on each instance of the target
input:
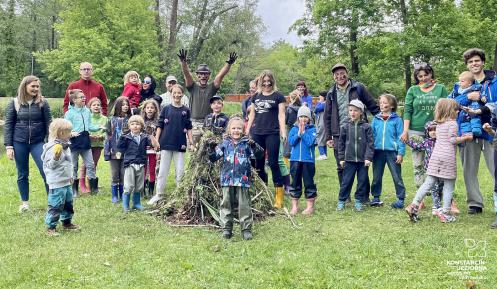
(91, 89)
(132, 91)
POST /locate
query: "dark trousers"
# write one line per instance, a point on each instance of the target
(340, 175)
(349, 172)
(303, 171)
(380, 159)
(271, 145)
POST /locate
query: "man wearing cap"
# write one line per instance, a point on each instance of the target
(167, 97)
(336, 111)
(90, 87)
(201, 92)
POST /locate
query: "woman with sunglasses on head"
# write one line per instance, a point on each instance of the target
(419, 106)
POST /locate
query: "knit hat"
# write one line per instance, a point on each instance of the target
(357, 103)
(304, 111)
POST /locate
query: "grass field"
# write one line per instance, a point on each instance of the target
(377, 248)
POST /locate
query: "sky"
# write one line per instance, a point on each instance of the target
(279, 15)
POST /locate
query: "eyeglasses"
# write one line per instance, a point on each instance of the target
(86, 69)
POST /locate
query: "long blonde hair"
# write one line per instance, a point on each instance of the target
(260, 80)
(58, 126)
(445, 109)
(22, 94)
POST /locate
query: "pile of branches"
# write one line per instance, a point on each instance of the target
(195, 201)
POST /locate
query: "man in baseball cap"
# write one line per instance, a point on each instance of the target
(167, 97)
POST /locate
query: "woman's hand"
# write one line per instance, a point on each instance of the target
(404, 137)
(10, 153)
(367, 163)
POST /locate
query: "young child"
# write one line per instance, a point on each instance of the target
(57, 165)
(150, 114)
(216, 119)
(97, 138)
(133, 146)
(442, 166)
(321, 135)
(116, 126)
(80, 117)
(302, 139)
(236, 151)
(173, 129)
(388, 150)
(132, 88)
(291, 118)
(355, 153)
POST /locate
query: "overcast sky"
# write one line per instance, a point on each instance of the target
(279, 15)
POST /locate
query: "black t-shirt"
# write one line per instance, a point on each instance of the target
(266, 113)
(174, 123)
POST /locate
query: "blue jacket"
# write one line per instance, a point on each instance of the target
(134, 153)
(302, 145)
(387, 133)
(320, 106)
(235, 168)
(80, 118)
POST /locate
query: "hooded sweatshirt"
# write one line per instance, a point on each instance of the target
(58, 172)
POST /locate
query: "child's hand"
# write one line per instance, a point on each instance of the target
(74, 134)
(330, 143)
(342, 164)
(399, 159)
(403, 137)
(486, 126)
(57, 149)
(367, 163)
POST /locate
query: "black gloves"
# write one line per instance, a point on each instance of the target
(182, 55)
(232, 58)
(252, 144)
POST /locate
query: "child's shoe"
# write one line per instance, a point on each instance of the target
(444, 217)
(126, 202)
(70, 227)
(310, 207)
(453, 208)
(227, 234)
(358, 206)
(295, 207)
(412, 211)
(247, 235)
(82, 186)
(340, 206)
(51, 232)
(136, 202)
(24, 207)
(376, 202)
(399, 204)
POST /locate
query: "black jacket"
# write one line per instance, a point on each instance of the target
(133, 152)
(331, 119)
(356, 143)
(28, 125)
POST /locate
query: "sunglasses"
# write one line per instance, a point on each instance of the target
(147, 81)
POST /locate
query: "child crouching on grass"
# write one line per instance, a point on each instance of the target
(302, 139)
(236, 151)
(134, 147)
(58, 168)
(442, 166)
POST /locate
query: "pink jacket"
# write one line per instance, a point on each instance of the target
(443, 159)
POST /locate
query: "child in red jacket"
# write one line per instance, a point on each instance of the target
(132, 88)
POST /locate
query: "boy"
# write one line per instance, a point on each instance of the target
(302, 138)
(355, 153)
(134, 147)
(216, 119)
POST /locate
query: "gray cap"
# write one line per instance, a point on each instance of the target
(203, 68)
(171, 78)
(338, 66)
(357, 103)
(304, 111)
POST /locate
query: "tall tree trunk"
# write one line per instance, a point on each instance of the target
(173, 22)
(354, 60)
(407, 58)
(160, 37)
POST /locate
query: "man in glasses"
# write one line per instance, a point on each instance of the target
(167, 97)
(90, 87)
(202, 91)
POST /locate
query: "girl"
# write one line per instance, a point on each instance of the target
(442, 165)
(291, 112)
(236, 151)
(388, 149)
(173, 129)
(117, 125)
(132, 88)
(150, 114)
(80, 117)
(321, 134)
(97, 138)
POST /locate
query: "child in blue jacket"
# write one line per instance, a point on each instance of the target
(388, 150)
(302, 139)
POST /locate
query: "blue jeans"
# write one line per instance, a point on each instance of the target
(322, 150)
(59, 206)
(380, 159)
(21, 156)
(350, 170)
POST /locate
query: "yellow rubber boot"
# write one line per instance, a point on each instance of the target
(278, 200)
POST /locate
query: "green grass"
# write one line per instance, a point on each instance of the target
(377, 248)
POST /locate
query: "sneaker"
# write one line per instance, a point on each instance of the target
(434, 210)
(51, 232)
(358, 206)
(444, 217)
(376, 202)
(154, 199)
(247, 235)
(412, 211)
(340, 206)
(23, 208)
(227, 234)
(399, 204)
(71, 227)
(322, 158)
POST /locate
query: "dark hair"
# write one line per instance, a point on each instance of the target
(118, 105)
(305, 87)
(151, 90)
(323, 93)
(473, 52)
(423, 66)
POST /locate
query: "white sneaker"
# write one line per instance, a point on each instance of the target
(154, 199)
(23, 208)
(322, 157)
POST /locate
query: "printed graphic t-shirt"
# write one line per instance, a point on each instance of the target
(266, 113)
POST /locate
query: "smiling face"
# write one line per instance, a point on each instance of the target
(150, 110)
(301, 89)
(424, 77)
(385, 105)
(147, 81)
(33, 88)
(216, 106)
(203, 78)
(340, 76)
(177, 94)
(267, 84)
(475, 64)
(354, 113)
(236, 129)
(170, 84)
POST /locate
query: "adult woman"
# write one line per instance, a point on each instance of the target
(27, 118)
(267, 124)
(418, 110)
(148, 89)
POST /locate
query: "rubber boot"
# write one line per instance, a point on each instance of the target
(136, 202)
(279, 195)
(121, 191)
(75, 188)
(82, 185)
(145, 187)
(115, 191)
(94, 186)
(295, 207)
(310, 207)
(126, 202)
(151, 187)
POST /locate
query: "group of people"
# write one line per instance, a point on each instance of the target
(142, 122)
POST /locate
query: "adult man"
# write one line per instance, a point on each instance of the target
(336, 111)
(471, 151)
(90, 87)
(167, 97)
(201, 92)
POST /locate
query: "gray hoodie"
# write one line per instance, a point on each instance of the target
(58, 173)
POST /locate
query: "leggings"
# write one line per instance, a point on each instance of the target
(95, 152)
(150, 168)
(117, 171)
(271, 145)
